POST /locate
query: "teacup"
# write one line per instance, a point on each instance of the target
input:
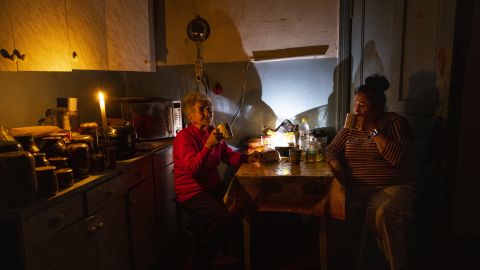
(353, 121)
(226, 131)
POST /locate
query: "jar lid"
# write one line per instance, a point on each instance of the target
(64, 170)
(45, 168)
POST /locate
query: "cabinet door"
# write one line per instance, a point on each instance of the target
(164, 196)
(87, 34)
(6, 40)
(40, 32)
(112, 236)
(142, 225)
(130, 38)
(73, 248)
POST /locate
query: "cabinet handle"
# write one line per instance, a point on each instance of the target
(92, 229)
(6, 55)
(75, 56)
(16, 55)
(100, 225)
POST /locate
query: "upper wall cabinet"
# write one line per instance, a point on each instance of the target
(130, 35)
(6, 42)
(40, 34)
(87, 34)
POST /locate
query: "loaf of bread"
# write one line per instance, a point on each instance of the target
(270, 155)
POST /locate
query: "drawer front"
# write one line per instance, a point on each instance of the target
(139, 171)
(163, 158)
(53, 219)
(102, 194)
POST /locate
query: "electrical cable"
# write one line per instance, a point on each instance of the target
(243, 95)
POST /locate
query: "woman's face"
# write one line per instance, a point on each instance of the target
(202, 114)
(360, 104)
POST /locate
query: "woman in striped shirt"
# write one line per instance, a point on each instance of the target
(373, 157)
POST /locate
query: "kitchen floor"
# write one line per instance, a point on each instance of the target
(290, 242)
(279, 241)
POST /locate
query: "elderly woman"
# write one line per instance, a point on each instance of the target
(198, 149)
(374, 159)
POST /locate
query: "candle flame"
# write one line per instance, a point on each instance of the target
(100, 96)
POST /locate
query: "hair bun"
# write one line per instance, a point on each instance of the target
(377, 82)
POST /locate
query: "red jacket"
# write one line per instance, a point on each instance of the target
(195, 166)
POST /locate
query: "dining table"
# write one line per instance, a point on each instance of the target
(308, 188)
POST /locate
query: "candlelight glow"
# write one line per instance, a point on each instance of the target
(103, 114)
(100, 96)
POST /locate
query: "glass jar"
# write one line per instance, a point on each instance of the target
(313, 151)
(53, 146)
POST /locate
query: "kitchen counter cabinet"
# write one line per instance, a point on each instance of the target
(72, 248)
(150, 205)
(96, 242)
(142, 225)
(60, 232)
(130, 35)
(87, 34)
(141, 210)
(164, 197)
(40, 32)
(112, 236)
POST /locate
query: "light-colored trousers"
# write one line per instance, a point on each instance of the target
(388, 214)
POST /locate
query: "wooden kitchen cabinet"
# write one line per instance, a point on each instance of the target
(130, 35)
(40, 34)
(83, 227)
(87, 34)
(72, 248)
(61, 35)
(142, 225)
(164, 197)
(6, 41)
(112, 236)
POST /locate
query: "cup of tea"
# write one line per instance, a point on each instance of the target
(295, 156)
(353, 121)
(226, 131)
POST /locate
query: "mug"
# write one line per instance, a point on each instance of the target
(47, 181)
(226, 131)
(295, 156)
(352, 121)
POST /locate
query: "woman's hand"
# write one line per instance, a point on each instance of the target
(337, 169)
(254, 157)
(214, 139)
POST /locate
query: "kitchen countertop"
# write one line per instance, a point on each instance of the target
(144, 148)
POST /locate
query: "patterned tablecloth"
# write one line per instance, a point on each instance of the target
(307, 188)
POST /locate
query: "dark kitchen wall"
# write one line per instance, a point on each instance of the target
(272, 91)
(24, 96)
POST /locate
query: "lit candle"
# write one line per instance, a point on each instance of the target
(103, 113)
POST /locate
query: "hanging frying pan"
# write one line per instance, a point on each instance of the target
(198, 29)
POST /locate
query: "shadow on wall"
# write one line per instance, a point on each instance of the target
(323, 119)
(254, 112)
(371, 63)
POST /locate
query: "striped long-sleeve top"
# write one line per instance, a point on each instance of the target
(364, 164)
